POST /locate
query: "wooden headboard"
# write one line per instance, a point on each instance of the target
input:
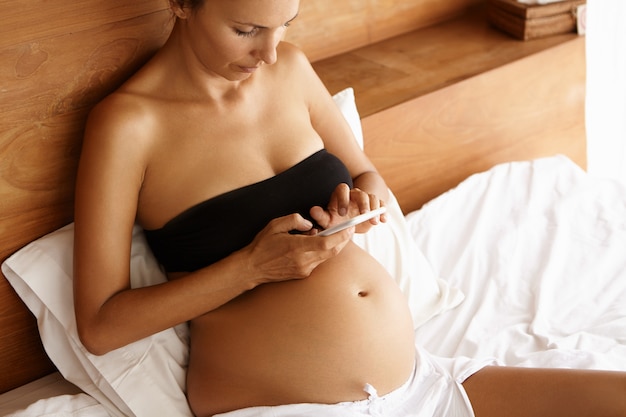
(58, 58)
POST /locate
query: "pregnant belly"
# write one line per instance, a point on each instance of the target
(315, 340)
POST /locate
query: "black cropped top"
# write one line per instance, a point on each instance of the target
(213, 229)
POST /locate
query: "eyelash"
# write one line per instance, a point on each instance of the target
(254, 31)
(246, 34)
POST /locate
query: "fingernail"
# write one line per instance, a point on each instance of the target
(343, 211)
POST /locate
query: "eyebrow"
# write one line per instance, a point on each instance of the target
(264, 27)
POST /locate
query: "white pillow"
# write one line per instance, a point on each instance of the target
(346, 103)
(147, 378)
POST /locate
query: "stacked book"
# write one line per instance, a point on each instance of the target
(529, 21)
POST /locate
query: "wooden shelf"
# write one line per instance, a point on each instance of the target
(411, 65)
(462, 94)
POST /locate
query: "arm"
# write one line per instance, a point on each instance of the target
(338, 138)
(330, 124)
(109, 313)
(111, 171)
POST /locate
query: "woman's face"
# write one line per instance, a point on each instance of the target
(232, 38)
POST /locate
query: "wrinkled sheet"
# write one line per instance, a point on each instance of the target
(539, 249)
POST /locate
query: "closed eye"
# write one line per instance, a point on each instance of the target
(246, 34)
(255, 28)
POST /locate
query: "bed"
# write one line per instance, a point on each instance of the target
(520, 261)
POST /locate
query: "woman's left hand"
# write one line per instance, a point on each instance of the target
(346, 203)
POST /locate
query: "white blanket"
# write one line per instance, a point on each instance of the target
(539, 249)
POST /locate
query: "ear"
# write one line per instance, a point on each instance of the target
(178, 8)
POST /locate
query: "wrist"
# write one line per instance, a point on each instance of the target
(246, 273)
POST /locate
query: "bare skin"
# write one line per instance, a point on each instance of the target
(523, 392)
(310, 318)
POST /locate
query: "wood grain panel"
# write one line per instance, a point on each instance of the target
(22, 357)
(392, 17)
(29, 20)
(56, 62)
(327, 28)
(413, 64)
(43, 110)
(55, 75)
(530, 108)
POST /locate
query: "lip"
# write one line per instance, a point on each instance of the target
(248, 70)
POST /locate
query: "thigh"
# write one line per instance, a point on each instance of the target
(511, 392)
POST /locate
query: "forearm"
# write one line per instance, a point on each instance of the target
(133, 314)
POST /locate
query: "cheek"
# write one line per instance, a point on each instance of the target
(232, 48)
(225, 46)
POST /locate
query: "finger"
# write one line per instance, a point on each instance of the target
(327, 248)
(317, 250)
(383, 217)
(361, 199)
(374, 203)
(340, 199)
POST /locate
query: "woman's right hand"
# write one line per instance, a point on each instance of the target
(275, 254)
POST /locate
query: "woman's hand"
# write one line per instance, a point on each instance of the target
(346, 203)
(275, 254)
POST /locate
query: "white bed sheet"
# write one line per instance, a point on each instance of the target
(539, 249)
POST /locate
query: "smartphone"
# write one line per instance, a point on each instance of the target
(353, 221)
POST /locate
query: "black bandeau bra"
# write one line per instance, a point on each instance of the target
(215, 228)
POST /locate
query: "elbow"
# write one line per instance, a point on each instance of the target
(93, 338)
(96, 350)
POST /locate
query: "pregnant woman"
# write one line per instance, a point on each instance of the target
(231, 154)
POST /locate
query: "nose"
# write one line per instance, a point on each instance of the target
(268, 55)
(266, 51)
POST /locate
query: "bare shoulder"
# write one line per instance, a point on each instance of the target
(120, 124)
(117, 113)
(292, 62)
(292, 54)
(295, 72)
(115, 152)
